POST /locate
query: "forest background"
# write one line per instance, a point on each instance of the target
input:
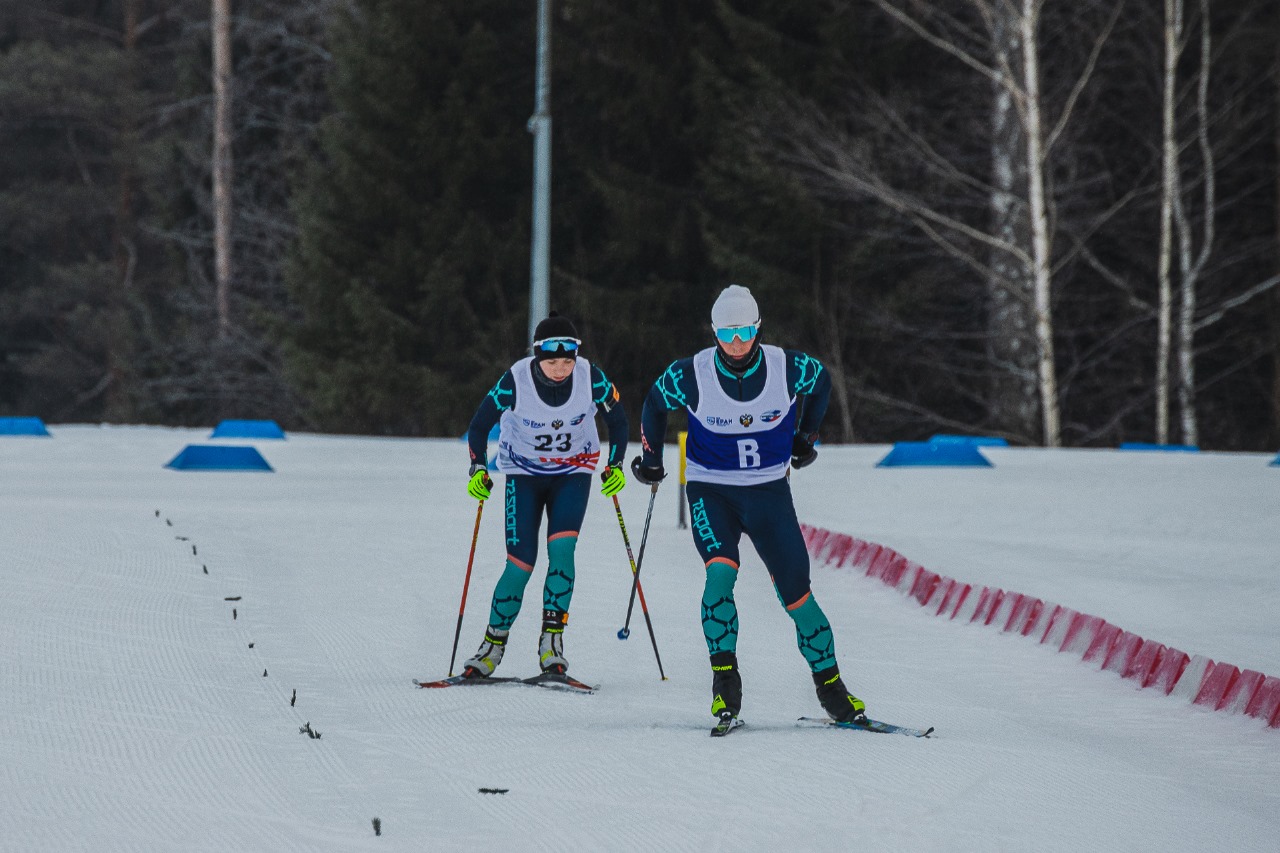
(1055, 221)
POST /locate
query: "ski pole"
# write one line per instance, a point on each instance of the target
(625, 632)
(475, 537)
(635, 574)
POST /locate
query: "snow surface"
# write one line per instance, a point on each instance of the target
(147, 704)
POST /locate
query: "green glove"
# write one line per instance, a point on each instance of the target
(480, 483)
(613, 480)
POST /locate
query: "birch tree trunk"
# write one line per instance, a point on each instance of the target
(1191, 269)
(1012, 346)
(1040, 240)
(1176, 230)
(222, 172)
(1170, 187)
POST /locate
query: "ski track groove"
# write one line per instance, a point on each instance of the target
(139, 655)
(318, 760)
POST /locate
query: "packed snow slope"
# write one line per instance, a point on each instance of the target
(169, 636)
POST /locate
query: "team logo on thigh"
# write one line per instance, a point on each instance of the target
(746, 420)
(702, 525)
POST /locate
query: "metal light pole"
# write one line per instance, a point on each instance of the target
(540, 127)
(220, 23)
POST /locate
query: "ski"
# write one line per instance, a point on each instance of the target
(874, 726)
(560, 681)
(551, 680)
(726, 724)
(456, 680)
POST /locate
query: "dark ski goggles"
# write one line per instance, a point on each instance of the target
(742, 333)
(568, 345)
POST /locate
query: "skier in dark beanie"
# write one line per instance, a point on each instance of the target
(547, 448)
(740, 396)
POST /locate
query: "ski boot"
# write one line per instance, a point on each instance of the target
(551, 643)
(836, 699)
(488, 656)
(726, 687)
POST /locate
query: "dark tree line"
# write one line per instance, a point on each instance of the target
(966, 210)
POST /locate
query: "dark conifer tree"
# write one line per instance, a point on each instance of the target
(628, 249)
(412, 262)
(80, 83)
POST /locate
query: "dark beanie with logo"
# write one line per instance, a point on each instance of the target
(555, 326)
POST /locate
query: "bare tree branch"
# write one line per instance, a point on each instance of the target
(1235, 302)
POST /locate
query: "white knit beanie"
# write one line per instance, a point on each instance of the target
(734, 307)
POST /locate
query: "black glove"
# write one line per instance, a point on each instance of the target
(650, 475)
(802, 451)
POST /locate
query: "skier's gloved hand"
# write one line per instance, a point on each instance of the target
(612, 480)
(802, 450)
(650, 475)
(480, 484)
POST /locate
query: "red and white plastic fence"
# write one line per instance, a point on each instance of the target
(1148, 664)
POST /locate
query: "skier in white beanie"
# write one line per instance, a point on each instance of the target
(744, 437)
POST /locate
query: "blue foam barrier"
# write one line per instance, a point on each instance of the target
(1166, 448)
(22, 426)
(975, 440)
(1275, 463)
(927, 453)
(247, 429)
(213, 457)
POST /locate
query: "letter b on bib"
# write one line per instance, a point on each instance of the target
(748, 453)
